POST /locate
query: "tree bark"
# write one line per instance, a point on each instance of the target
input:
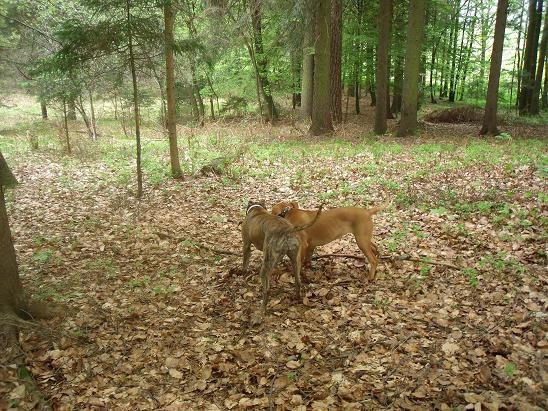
(65, 124)
(261, 60)
(384, 23)
(452, 73)
(169, 18)
(540, 68)
(44, 109)
(468, 55)
(71, 110)
(413, 49)
(336, 50)
(529, 57)
(93, 120)
(490, 119)
(135, 102)
(545, 88)
(307, 79)
(321, 107)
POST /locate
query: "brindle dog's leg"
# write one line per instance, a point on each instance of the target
(246, 251)
(294, 255)
(269, 262)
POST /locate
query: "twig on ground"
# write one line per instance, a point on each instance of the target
(403, 257)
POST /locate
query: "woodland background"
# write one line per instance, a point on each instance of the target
(138, 130)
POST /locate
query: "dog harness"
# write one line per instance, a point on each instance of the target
(250, 207)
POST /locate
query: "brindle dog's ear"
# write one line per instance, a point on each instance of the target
(250, 203)
(294, 204)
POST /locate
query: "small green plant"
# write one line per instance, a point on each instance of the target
(472, 275)
(42, 256)
(138, 282)
(161, 290)
(510, 369)
(292, 376)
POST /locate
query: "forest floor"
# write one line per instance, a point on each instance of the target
(153, 322)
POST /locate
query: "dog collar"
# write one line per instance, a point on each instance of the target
(284, 212)
(250, 207)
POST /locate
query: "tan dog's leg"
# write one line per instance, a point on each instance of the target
(368, 248)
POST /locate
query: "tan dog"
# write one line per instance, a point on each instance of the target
(276, 237)
(333, 224)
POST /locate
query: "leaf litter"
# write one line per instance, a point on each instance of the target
(152, 322)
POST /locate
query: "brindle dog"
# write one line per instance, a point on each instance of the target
(275, 237)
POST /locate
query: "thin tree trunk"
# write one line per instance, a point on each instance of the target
(540, 68)
(135, 103)
(261, 60)
(71, 110)
(384, 23)
(545, 88)
(321, 108)
(65, 123)
(530, 57)
(413, 48)
(307, 79)
(93, 121)
(257, 77)
(336, 50)
(490, 119)
(169, 18)
(44, 109)
(81, 109)
(452, 73)
(468, 54)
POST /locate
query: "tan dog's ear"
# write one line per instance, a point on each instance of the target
(294, 204)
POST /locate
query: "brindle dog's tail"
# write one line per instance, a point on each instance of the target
(305, 226)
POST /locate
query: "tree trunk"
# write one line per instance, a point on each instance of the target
(93, 121)
(468, 55)
(540, 68)
(398, 85)
(12, 298)
(71, 110)
(11, 292)
(135, 103)
(413, 50)
(82, 110)
(452, 74)
(336, 50)
(321, 107)
(44, 109)
(545, 88)
(530, 57)
(460, 65)
(307, 79)
(384, 23)
(169, 18)
(490, 119)
(261, 60)
(65, 124)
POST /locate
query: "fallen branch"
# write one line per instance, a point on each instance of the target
(392, 258)
(197, 245)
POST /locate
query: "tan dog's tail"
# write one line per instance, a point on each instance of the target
(375, 210)
(305, 226)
